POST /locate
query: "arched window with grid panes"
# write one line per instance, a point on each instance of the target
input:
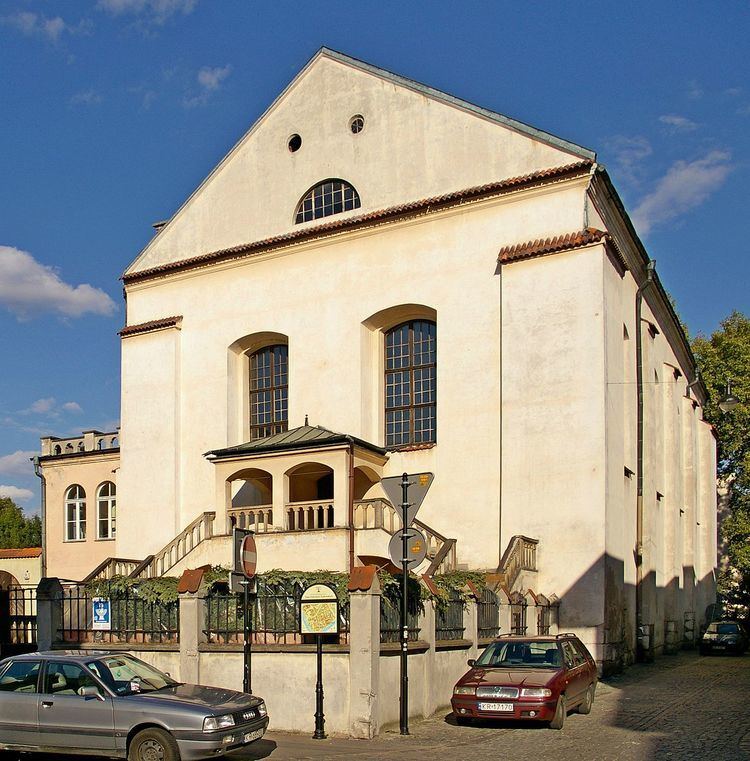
(269, 391)
(411, 384)
(75, 514)
(106, 509)
(326, 198)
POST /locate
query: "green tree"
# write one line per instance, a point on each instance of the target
(16, 530)
(722, 357)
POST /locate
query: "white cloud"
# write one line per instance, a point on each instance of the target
(157, 11)
(41, 406)
(33, 24)
(686, 184)
(15, 493)
(629, 153)
(86, 98)
(695, 90)
(17, 463)
(676, 123)
(28, 289)
(72, 407)
(209, 81)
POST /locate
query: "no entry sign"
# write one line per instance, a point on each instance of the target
(248, 556)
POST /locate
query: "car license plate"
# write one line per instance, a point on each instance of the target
(250, 736)
(496, 707)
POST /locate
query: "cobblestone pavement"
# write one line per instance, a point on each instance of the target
(682, 708)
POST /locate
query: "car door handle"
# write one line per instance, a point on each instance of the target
(46, 704)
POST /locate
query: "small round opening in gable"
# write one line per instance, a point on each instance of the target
(357, 124)
(295, 143)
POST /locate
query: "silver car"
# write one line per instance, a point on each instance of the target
(113, 704)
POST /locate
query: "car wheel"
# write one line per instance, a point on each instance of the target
(588, 701)
(560, 713)
(153, 745)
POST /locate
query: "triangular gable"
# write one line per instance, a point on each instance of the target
(417, 142)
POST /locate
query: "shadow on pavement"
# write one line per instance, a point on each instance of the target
(449, 718)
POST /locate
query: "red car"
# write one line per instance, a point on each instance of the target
(534, 678)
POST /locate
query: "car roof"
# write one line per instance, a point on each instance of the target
(534, 637)
(77, 656)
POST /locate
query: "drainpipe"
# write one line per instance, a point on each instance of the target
(650, 268)
(351, 507)
(40, 474)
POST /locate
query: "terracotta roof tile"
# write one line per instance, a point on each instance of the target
(541, 247)
(362, 577)
(412, 208)
(24, 552)
(190, 581)
(147, 327)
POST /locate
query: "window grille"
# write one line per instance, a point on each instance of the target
(269, 391)
(411, 383)
(75, 514)
(329, 197)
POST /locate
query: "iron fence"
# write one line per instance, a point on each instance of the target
(390, 620)
(132, 619)
(19, 629)
(449, 617)
(488, 615)
(274, 611)
(543, 619)
(518, 617)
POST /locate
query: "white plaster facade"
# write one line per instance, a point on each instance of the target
(536, 366)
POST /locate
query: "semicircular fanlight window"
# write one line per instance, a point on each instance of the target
(327, 198)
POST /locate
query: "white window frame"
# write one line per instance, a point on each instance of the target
(75, 514)
(110, 502)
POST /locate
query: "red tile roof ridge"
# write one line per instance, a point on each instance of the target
(21, 552)
(410, 207)
(146, 327)
(542, 246)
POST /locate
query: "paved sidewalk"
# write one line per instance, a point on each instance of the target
(682, 708)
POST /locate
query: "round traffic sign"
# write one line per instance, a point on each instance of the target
(248, 556)
(416, 548)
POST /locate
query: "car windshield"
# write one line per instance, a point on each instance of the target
(723, 629)
(510, 654)
(126, 675)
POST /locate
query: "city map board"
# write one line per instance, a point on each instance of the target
(319, 610)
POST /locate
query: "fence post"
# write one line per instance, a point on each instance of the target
(192, 624)
(471, 623)
(48, 612)
(364, 658)
(428, 634)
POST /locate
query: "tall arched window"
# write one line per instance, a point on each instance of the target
(269, 391)
(106, 509)
(411, 383)
(75, 514)
(329, 197)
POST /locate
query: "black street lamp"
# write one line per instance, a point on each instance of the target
(729, 401)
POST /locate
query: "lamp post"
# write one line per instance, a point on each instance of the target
(729, 401)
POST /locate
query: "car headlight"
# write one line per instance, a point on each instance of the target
(262, 709)
(464, 690)
(536, 692)
(212, 723)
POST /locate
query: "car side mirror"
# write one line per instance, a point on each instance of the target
(471, 662)
(90, 691)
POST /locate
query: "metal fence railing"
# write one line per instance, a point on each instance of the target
(133, 619)
(518, 615)
(488, 614)
(449, 617)
(19, 628)
(390, 621)
(275, 616)
(543, 619)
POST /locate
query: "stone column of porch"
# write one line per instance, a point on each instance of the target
(364, 660)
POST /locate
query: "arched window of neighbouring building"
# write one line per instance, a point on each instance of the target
(106, 509)
(327, 198)
(411, 383)
(75, 514)
(269, 391)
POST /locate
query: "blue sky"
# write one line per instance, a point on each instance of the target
(114, 110)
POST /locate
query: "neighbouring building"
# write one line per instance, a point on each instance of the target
(381, 278)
